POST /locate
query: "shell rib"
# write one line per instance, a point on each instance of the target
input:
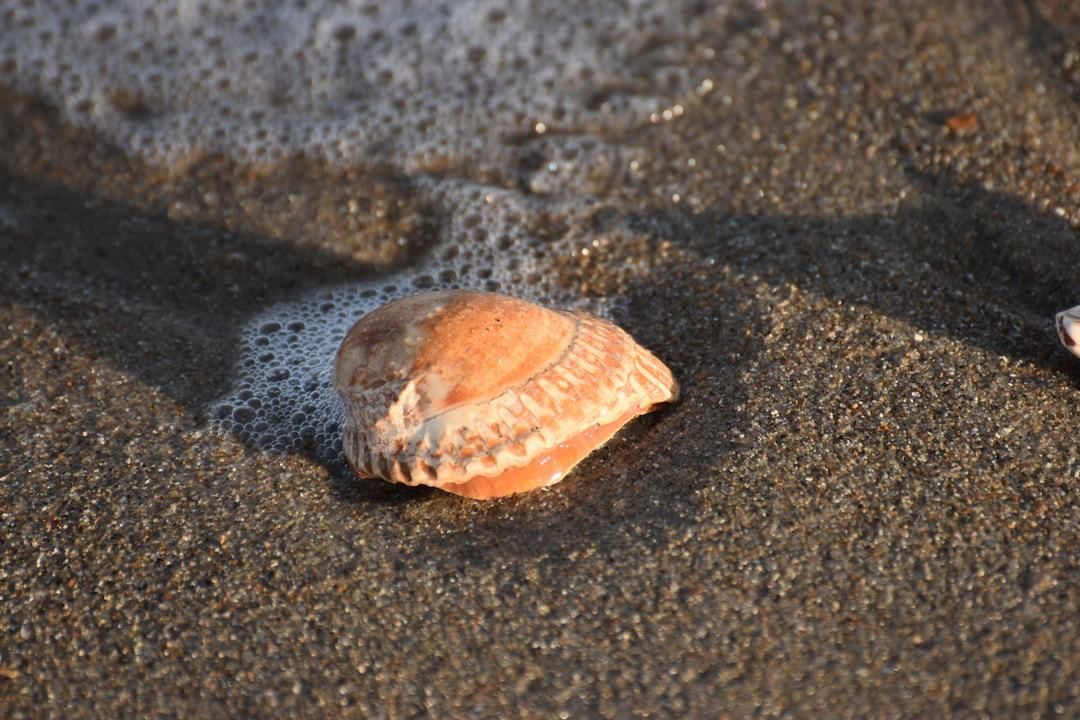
(485, 395)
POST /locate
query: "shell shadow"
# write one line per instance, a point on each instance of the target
(975, 266)
(643, 484)
(166, 301)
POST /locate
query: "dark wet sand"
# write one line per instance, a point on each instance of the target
(866, 504)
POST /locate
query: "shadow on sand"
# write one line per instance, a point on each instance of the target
(166, 301)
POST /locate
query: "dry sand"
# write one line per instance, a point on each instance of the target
(865, 505)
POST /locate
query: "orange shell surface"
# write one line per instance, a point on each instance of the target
(485, 395)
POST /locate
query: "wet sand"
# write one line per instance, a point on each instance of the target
(849, 251)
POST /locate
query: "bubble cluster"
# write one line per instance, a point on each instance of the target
(413, 82)
(281, 399)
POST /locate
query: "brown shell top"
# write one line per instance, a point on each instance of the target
(484, 394)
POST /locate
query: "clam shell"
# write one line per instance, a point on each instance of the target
(485, 395)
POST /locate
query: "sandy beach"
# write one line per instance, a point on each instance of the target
(848, 245)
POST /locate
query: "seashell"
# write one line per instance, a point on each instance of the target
(1068, 328)
(485, 395)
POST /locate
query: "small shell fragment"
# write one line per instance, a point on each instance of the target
(1068, 328)
(485, 395)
